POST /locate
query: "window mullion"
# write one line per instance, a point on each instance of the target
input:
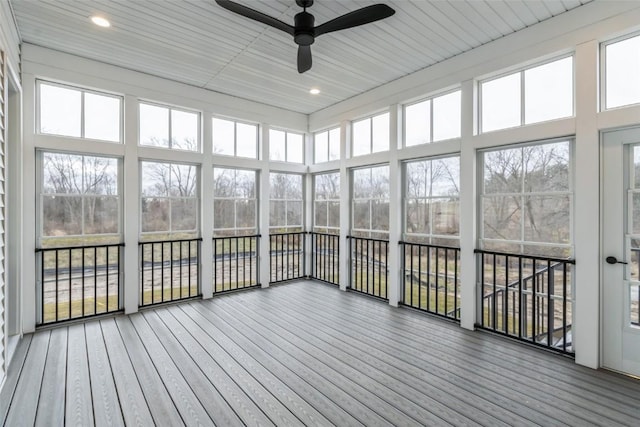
(522, 100)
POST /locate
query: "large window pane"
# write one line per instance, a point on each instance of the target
(61, 216)
(417, 123)
(155, 214)
(295, 148)
(286, 201)
(334, 144)
(503, 171)
(154, 125)
(321, 142)
(380, 137)
(371, 200)
(327, 200)
(547, 219)
(101, 215)
(361, 137)
(184, 214)
(277, 145)
(246, 140)
(224, 213)
(622, 84)
(60, 110)
(548, 91)
(447, 116)
(62, 173)
(501, 103)
(101, 117)
(223, 136)
(234, 205)
(184, 130)
(502, 217)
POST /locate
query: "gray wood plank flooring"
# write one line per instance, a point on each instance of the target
(300, 354)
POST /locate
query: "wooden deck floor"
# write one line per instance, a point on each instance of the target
(299, 354)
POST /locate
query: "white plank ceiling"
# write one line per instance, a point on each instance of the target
(199, 43)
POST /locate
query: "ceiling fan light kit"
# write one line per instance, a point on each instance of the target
(304, 31)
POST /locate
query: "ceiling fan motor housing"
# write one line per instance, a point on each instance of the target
(304, 33)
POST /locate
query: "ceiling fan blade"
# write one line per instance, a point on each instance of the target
(256, 16)
(358, 17)
(304, 58)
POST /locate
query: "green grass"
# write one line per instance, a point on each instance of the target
(76, 308)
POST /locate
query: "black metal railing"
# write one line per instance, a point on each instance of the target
(77, 282)
(430, 278)
(286, 251)
(326, 257)
(369, 273)
(527, 297)
(169, 270)
(235, 263)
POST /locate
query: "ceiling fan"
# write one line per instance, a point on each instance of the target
(304, 32)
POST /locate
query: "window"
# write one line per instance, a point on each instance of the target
(285, 206)
(432, 202)
(526, 199)
(234, 202)
(622, 72)
(233, 138)
(286, 146)
(434, 119)
(370, 208)
(80, 199)
(68, 111)
(537, 94)
(168, 127)
(169, 198)
(326, 203)
(371, 135)
(327, 145)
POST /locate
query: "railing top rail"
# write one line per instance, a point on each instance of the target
(323, 234)
(368, 239)
(289, 233)
(401, 242)
(66, 248)
(520, 256)
(244, 236)
(195, 239)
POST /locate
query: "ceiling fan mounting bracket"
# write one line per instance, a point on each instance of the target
(304, 3)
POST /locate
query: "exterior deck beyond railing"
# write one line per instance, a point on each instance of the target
(286, 251)
(326, 257)
(527, 297)
(431, 279)
(169, 270)
(369, 271)
(77, 282)
(236, 263)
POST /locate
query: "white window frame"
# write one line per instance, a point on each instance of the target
(286, 146)
(368, 231)
(235, 228)
(521, 71)
(235, 137)
(287, 226)
(570, 193)
(428, 237)
(82, 90)
(430, 100)
(603, 71)
(171, 108)
(40, 187)
(328, 132)
(370, 118)
(197, 197)
(327, 201)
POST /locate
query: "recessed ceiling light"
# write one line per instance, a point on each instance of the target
(314, 91)
(100, 21)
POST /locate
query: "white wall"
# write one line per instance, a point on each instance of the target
(580, 32)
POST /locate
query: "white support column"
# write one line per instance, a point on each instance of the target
(308, 204)
(345, 205)
(394, 285)
(131, 206)
(263, 217)
(29, 296)
(586, 308)
(206, 218)
(468, 210)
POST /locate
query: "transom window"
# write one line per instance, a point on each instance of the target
(622, 72)
(79, 199)
(370, 135)
(285, 205)
(234, 138)
(286, 146)
(79, 113)
(234, 202)
(527, 200)
(536, 94)
(434, 119)
(432, 202)
(169, 198)
(326, 203)
(169, 127)
(327, 145)
(370, 207)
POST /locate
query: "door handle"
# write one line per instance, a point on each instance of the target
(613, 260)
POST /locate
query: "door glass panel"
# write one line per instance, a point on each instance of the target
(634, 305)
(634, 260)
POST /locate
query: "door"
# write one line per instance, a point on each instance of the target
(621, 251)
